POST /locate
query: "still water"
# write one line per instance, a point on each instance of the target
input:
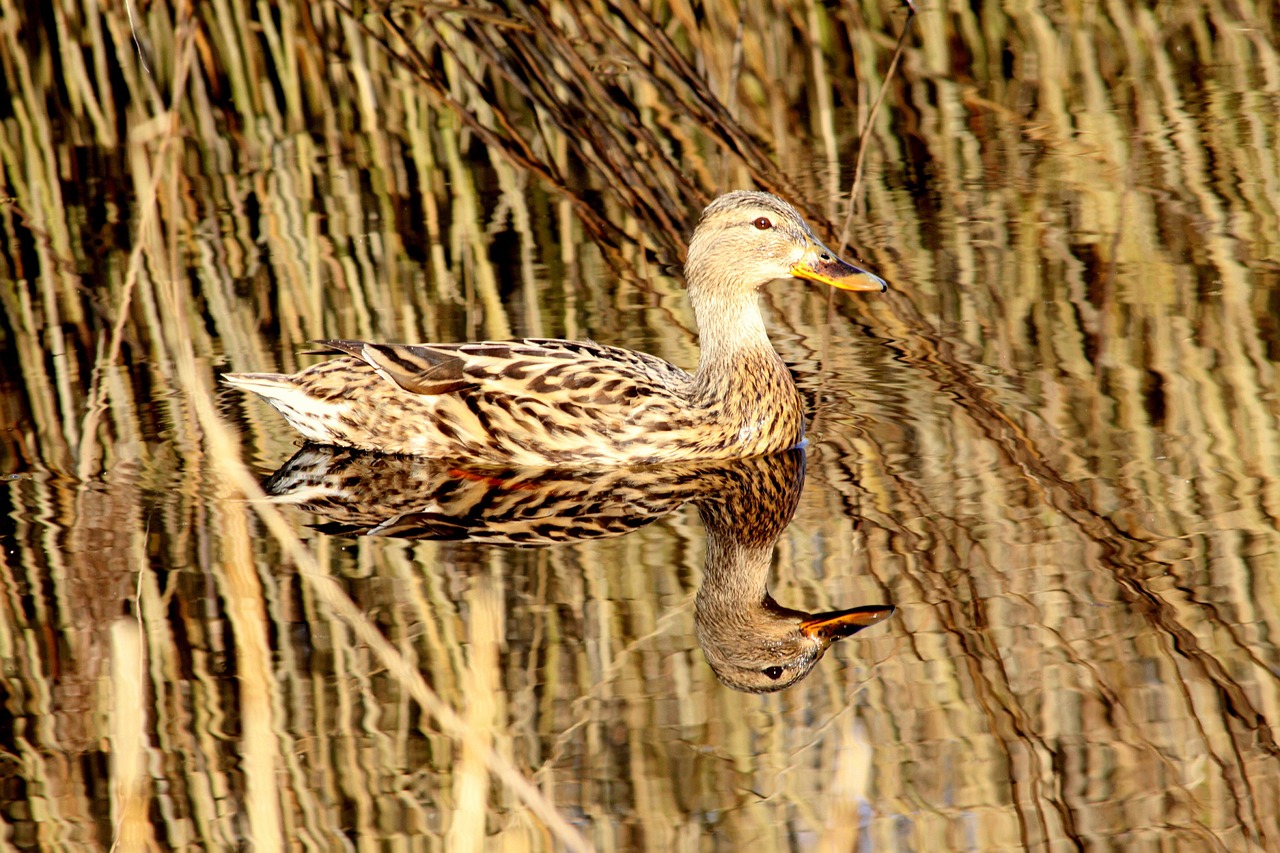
(1041, 484)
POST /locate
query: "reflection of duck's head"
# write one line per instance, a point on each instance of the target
(754, 644)
(751, 642)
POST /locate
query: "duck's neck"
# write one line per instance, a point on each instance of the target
(741, 535)
(736, 352)
(735, 582)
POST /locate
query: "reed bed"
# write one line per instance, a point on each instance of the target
(1054, 445)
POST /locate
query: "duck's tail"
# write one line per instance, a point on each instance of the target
(308, 415)
(266, 384)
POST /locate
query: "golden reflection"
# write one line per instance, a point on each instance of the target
(751, 642)
(1055, 447)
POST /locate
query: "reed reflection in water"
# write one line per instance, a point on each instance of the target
(1053, 446)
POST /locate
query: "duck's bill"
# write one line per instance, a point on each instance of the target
(824, 266)
(843, 623)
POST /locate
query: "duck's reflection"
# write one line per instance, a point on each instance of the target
(751, 642)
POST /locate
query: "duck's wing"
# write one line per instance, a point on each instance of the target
(528, 402)
(584, 370)
(418, 369)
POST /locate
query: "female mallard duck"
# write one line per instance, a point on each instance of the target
(557, 403)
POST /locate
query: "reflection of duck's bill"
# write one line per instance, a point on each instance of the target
(843, 623)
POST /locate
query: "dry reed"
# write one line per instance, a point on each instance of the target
(1054, 446)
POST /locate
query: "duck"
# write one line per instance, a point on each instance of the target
(557, 403)
(750, 641)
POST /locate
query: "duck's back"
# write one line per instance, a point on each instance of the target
(525, 402)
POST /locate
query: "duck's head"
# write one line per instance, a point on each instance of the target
(777, 646)
(745, 240)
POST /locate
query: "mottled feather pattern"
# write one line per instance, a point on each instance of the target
(572, 401)
(362, 493)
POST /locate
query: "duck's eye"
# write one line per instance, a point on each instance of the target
(774, 672)
(763, 224)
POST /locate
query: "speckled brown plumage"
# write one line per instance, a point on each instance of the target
(558, 403)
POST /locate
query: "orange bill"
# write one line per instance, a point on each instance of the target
(843, 623)
(822, 264)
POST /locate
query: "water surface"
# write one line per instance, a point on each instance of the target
(1052, 447)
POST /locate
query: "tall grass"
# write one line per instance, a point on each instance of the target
(1053, 445)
